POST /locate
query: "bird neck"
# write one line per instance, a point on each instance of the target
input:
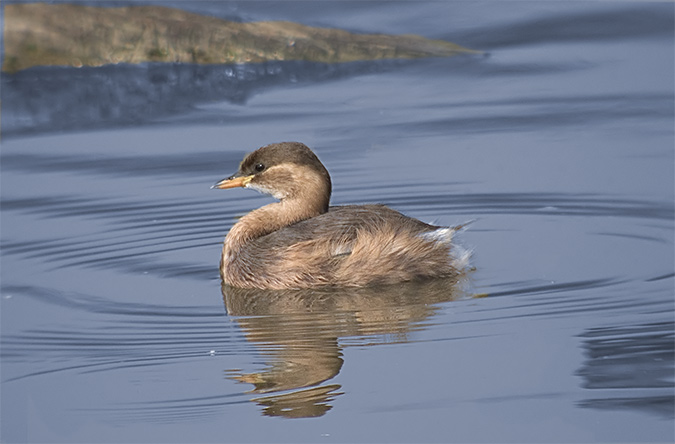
(273, 217)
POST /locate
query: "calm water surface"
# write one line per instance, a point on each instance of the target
(559, 143)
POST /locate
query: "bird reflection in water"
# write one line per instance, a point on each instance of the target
(299, 333)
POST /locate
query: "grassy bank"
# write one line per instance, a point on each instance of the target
(73, 35)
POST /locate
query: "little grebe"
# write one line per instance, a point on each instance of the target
(302, 242)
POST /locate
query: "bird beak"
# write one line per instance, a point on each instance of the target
(233, 182)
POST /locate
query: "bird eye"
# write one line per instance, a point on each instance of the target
(259, 167)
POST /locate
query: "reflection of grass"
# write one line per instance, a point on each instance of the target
(74, 35)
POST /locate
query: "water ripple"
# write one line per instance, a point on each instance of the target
(211, 162)
(122, 335)
(624, 362)
(627, 23)
(138, 236)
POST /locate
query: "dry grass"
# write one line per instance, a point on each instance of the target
(74, 35)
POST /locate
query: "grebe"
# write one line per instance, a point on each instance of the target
(302, 242)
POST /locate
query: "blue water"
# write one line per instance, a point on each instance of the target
(559, 142)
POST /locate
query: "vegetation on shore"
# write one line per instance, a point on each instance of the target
(74, 35)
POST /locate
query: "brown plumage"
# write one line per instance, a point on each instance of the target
(301, 242)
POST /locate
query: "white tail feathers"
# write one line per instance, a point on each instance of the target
(443, 235)
(459, 256)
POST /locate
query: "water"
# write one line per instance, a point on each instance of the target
(559, 143)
